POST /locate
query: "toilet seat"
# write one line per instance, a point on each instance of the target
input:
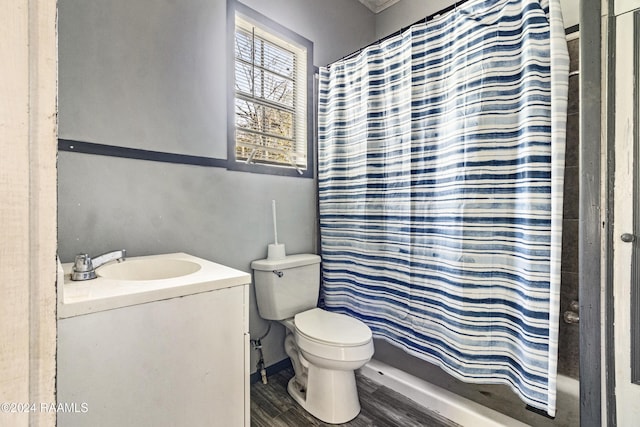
(332, 329)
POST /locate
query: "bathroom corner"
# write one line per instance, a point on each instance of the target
(148, 77)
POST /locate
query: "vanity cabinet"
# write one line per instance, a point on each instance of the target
(180, 361)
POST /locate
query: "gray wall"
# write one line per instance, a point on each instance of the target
(151, 74)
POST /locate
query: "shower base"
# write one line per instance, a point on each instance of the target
(496, 400)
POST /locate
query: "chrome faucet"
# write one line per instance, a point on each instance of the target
(84, 268)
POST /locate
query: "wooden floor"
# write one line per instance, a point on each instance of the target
(271, 405)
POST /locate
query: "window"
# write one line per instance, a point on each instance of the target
(272, 126)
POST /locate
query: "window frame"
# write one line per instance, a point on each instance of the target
(235, 8)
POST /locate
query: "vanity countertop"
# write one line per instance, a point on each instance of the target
(83, 297)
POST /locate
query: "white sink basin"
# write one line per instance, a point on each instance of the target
(140, 280)
(148, 269)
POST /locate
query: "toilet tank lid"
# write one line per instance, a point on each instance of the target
(290, 261)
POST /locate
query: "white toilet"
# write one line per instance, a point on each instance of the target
(325, 348)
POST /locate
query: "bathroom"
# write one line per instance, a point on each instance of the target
(153, 76)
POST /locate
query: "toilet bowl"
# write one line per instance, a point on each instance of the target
(330, 347)
(325, 348)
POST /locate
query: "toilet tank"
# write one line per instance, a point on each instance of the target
(286, 286)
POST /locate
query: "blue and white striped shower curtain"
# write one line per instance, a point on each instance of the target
(441, 162)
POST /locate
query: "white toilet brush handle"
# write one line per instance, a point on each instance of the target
(275, 225)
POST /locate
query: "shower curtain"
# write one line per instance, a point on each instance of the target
(440, 169)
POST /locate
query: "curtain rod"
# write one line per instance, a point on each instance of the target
(403, 29)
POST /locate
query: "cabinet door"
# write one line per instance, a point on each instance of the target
(167, 363)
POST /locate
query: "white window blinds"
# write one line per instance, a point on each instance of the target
(270, 98)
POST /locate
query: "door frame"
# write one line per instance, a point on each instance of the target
(28, 114)
(590, 213)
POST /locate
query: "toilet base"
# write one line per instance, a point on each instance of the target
(331, 395)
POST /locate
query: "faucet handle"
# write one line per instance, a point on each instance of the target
(83, 268)
(82, 263)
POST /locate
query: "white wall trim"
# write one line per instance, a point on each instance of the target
(28, 89)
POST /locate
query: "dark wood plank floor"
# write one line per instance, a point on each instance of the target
(271, 406)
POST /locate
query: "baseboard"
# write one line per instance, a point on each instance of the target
(271, 370)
